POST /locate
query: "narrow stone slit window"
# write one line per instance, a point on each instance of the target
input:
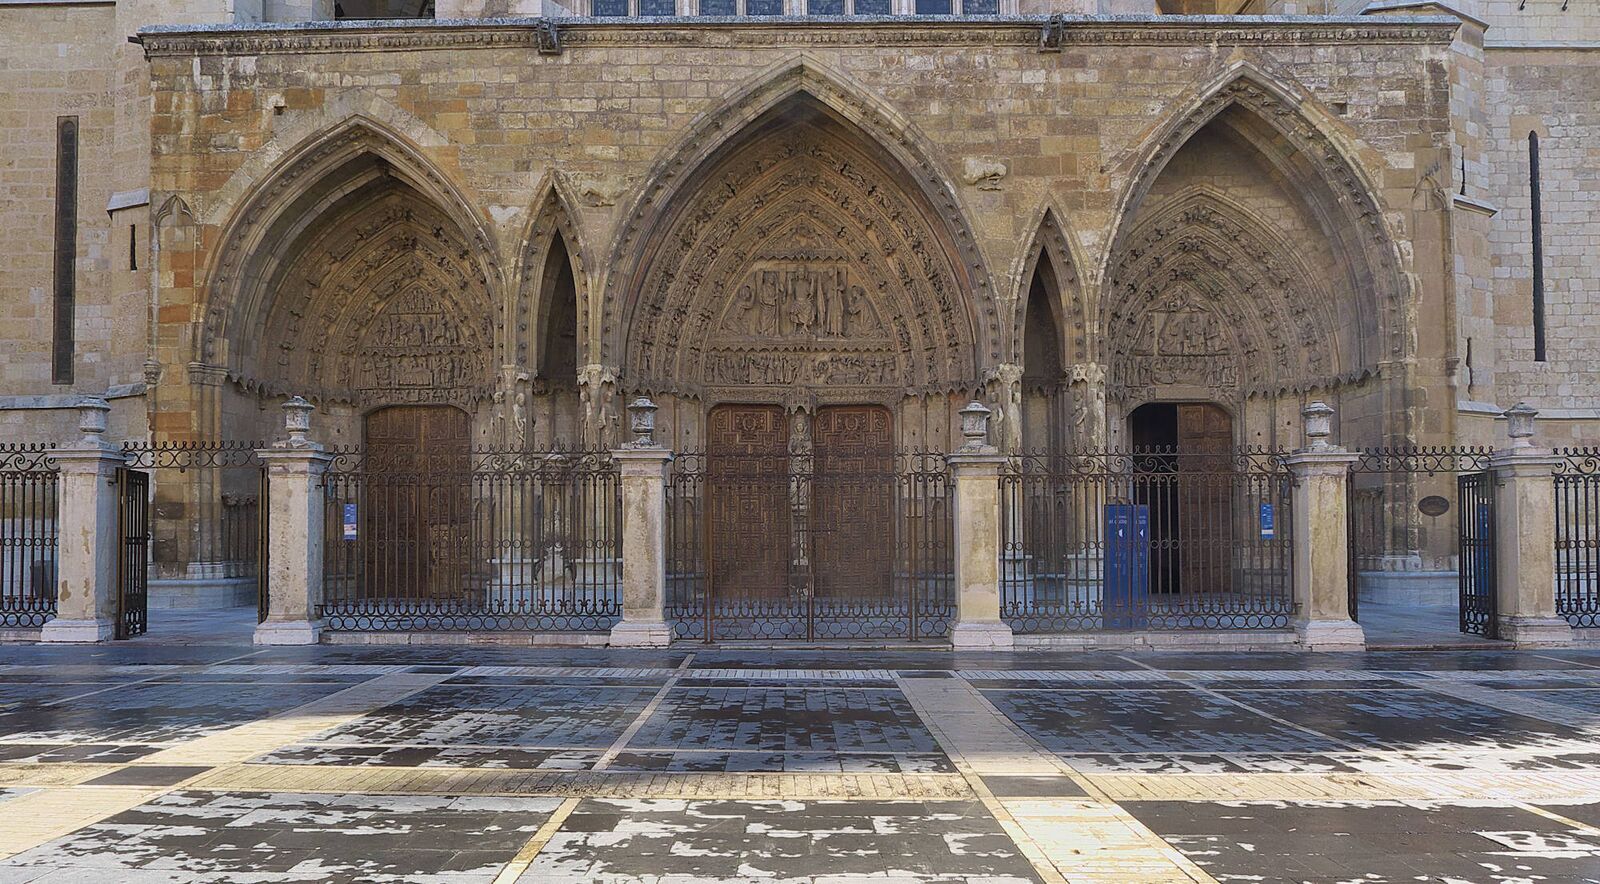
(64, 282)
(1537, 232)
(133, 247)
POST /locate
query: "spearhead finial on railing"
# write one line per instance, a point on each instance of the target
(642, 422)
(297, 421)
(975, 426)
(1318, 418)
(1520, 420)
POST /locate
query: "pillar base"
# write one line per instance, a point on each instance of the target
(1330, 635)
(641, 634)
(288, 632)
(981, 635)
(1535, 632)
(81, 632)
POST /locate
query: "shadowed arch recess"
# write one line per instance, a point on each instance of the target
(800, 254)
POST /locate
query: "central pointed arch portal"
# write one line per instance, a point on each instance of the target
(804, 306)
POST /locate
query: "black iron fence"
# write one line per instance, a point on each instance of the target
(206, 513)
(499, 540)
(793, 546)
(1146, 540)
(1577, 511)
(29, 490)
(133, 553)
(1415, 530)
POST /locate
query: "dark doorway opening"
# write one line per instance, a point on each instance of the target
(418, 514)
(1181, 466)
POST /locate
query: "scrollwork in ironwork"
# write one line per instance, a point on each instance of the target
(1584, 461)
(27, 457)
(1427, 459)
(183, 456)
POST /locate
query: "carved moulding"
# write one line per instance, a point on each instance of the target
(1205, 299)
(803, 262)
(387, 308)
(794, 97)
(1348, 195)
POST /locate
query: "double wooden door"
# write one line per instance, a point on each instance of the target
(800, 536)
(416, 514)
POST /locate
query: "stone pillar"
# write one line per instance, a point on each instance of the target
(295, 532)
(1524, 538)
(643, 465)
(1321, 539)
(86, 523)
(975, 469)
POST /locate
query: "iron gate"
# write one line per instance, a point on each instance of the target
(133, 552)
(797, 572)
(29, 487)
(1151, 539)
(1398, 505)
(1577, 488)
(1476, 571)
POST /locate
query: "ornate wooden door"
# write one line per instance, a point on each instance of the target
(748, 518)
(1205, 498)
(852, 514)
(417, 513)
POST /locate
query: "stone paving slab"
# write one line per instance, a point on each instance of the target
(1124, 767)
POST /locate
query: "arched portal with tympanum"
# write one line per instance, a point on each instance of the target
(802, 265)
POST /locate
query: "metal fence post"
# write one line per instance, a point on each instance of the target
(295, 514)
(643, 465)
(1525, 558)
(975, 470)
(86, 569)
(1321, 536)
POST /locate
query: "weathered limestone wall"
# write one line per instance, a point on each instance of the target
(1539, 91)
(504, 124)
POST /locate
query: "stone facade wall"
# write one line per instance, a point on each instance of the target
(503, 124)
(1537, 91)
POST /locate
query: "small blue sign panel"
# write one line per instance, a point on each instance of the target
(1127, 568)
(1269, 521)
(349, 521)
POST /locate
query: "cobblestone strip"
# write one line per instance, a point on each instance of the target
(578, 784)
(1429, 785)
(1077, 840)
(35, 818)
(530, 851)
(1519, 702)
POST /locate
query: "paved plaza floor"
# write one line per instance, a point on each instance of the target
(149, 762)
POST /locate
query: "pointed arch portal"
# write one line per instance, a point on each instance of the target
(802, 254)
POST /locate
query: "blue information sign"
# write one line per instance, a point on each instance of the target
(1127, 567)
(349, 521)
(1269, 521)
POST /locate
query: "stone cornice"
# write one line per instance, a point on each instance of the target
(1015, 31)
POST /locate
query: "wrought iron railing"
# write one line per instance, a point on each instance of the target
(1577, 539)
(791, 546)
(1146, 540)
(495, 540)
(206, 518)
(29, 491)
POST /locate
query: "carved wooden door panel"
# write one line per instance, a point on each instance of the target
(747, 511)
(852, 511)
(417, 515)
(1205, 498)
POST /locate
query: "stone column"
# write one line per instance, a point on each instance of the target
(86, 525)
(975, 469)
(1524, 538)
(643, 465)
(295, 532)
(1321, 539)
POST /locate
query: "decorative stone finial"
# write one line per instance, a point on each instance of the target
(642, 422)
(297, 421)
(92, 413)
(1318, 417)
(975, 426)
(1519, 424)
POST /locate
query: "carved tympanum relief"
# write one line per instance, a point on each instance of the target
(382, 308)
(800, 259)
(1203, 297)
